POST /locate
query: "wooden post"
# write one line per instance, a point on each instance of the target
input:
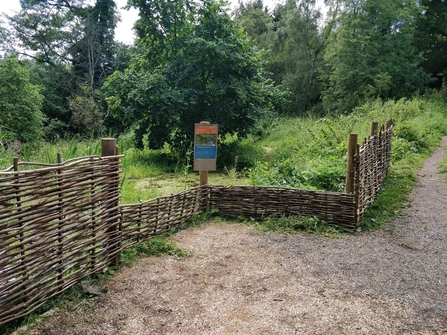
(21, 234)
(109, 148)
(374, 128)
(203, 177)
(352, 149)
(60, 227)
(389, 123)
(120, 225)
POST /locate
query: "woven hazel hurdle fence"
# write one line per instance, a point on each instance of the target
(62, 222)
(140, 222)
(260, 203)
(367, 166)
(58, 224)
(371, 162)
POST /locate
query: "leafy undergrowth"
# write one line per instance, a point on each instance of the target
(310, 153)
(443, 166)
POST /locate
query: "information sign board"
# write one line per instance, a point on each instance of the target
(205, 146)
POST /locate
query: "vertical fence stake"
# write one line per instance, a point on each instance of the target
(120, 224)
(352, 148)
(203, 177)
(357, 184)
(21, 234)
(60, 225)
(109, 148)
(374, 129)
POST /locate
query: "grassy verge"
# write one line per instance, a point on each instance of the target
(299, 224)
(443, 165)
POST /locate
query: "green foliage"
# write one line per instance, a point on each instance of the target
(86, 117)
(158, 246)
(293, 224)
(430, 38)
(371, 54)
(238, 154)
(20, 102)
(293, 43)
(254, 19)
(72, 47)
(304, 153)
(296, 53)
(193, 66)
(310, 153)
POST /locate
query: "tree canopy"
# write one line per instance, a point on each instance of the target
(20, 102)
(371, 54)
(194, 65)
(194, 61)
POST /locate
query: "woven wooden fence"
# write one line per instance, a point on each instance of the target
(57, 225)
(60, 223)
(259, 203)
(140, 222)
(372, 161)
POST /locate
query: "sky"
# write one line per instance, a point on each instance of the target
(123, 32)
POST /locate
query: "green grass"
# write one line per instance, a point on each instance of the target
(298, 224)
(443, 165)
(310, 153)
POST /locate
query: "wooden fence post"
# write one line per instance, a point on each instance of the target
(60, 226)
(374, 129)
(203, 175)
(21, 233)
(350, 171)
(109, 148)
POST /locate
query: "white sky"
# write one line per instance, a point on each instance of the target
(123, 32)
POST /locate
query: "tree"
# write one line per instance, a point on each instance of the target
(297, 52)
(20, 102)
(293, 44)
(371, 54)
(72, 44)
(255, 19)
(93, 55)
(86, 116)
(194, 65)
(431, 39)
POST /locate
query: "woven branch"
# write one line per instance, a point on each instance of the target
(54, 230)
(372, 164)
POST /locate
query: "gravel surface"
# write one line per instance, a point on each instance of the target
(240, 281)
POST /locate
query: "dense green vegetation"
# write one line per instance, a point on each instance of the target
(196, 60)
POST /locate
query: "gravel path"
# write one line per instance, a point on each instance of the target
(241, 281)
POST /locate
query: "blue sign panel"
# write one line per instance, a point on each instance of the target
(205, 152)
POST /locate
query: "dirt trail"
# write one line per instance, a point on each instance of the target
(240, 281)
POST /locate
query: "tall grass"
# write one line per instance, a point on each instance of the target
(310, 153)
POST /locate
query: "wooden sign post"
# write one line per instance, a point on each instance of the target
(205, 149)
